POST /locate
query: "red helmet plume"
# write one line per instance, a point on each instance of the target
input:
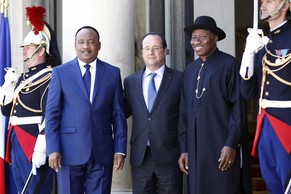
(35, 16)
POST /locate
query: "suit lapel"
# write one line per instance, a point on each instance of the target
(167, 78)
(100, 69)
(139, 90)
(77, 76)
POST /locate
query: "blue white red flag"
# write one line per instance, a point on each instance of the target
(7, 185)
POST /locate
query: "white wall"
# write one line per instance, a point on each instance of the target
(114, 21)
(223, 13)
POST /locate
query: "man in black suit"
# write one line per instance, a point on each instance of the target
(153, 96)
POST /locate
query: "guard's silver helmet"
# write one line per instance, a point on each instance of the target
(41, 38)
(39, 33)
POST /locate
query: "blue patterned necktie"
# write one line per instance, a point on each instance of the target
(152, 93)
(87, 79)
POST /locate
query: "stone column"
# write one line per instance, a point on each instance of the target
(17, 21)
(114, 20)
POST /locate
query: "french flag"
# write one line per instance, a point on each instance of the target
(7, 185)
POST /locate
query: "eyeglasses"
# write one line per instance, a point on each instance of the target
(154, 48)
(201, 37)
(89, 43)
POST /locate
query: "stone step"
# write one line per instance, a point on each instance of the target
(121, 191)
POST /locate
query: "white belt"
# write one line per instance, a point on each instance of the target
(275, 104)
(14, 120)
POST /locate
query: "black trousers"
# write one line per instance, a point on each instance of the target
(152, 179)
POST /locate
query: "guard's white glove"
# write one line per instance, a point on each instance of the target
(11, 74)
(39, 154)
(7, 89)
(247, 65)
(254, 42)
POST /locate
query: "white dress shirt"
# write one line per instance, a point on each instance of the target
(146, 79)
(93, 74)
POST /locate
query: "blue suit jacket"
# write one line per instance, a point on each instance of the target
(74, 126)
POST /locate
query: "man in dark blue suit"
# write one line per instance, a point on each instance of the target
(154, 108)
(86, 129)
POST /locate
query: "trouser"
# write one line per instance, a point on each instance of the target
(152, 179)
(41, 183)
(91, 178)
(275, 162)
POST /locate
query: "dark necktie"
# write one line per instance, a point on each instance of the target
(152, 93)
(87, 79)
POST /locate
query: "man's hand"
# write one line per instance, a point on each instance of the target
(183, 163)
(227, 158)
(55, 161)
(118, 162)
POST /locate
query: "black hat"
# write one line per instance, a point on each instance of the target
(207, 23)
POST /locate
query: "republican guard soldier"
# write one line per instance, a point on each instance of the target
(24, 100)
(266, 72)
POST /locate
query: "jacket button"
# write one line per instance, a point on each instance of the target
(149, 119)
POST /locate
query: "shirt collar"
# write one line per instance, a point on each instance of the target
(159, 71)
(38, 67)
(278, 26)
(82, 64)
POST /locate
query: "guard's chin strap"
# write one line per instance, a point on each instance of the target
(33, 54)
(276, 11)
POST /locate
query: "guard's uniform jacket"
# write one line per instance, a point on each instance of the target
(28, 107)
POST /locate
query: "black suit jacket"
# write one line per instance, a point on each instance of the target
(160, 126)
